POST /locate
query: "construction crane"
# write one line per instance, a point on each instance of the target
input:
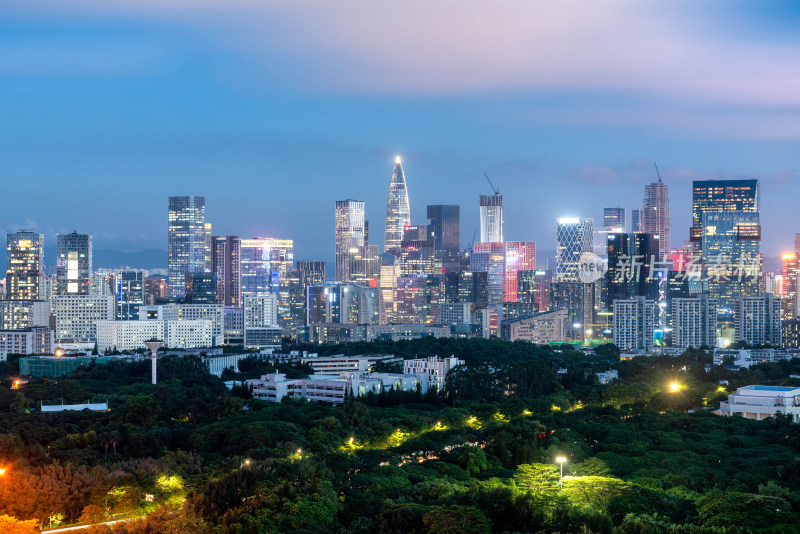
(496, 191)
(468, 248)
(657, 173)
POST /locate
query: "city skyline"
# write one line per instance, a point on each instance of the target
(580, 138)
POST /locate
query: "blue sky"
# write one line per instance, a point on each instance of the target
(275, 109)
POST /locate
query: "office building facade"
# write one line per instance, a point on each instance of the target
(186, 241)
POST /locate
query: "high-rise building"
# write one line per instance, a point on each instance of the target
(655, 217)
(614, 220)
(520, 256)
(350, 236)
(633, 260)
(25, 265)
(573, 238)
(398, 213)
(788, 291)
(186, 241)
(490, 258)
(635, 323)
(155, 290)
(77, 316)
(491, 218)
(444, 230)
(227, 266)
(636, 221)
(209, 248)
(694, 321)
(73, 264)
(758, 320)
(263, 261)
(130, 294)
(726, 234)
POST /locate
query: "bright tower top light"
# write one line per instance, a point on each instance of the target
(397, 160)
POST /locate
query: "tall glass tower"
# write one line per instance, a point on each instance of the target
(492, 218)
(726, 236)
(398, 214)
(186, 241)
(573, 237)
(73, 264)
(350, 235)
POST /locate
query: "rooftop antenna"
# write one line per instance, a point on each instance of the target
(657, 173)
(496, 191)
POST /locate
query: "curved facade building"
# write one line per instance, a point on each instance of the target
(398, 214)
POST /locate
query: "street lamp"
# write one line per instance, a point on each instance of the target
(2, 471)
(246, 462)
(561, 461)
(674, 386)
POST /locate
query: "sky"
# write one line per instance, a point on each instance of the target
(275, 109)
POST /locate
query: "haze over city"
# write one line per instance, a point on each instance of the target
(273, 110)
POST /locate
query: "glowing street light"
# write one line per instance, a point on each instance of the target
(246, 462)
(2, 471)
(561, 461)
(674, 386)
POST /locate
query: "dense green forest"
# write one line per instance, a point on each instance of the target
(190, 456)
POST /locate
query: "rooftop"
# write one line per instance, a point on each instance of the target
(771, 388)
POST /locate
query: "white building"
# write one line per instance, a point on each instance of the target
(332, 388)
(187, 312)
(351, 333)
(694, 322)
(758, 320)
(127, 335)
(30, 340)
(433, 367)
(607, 377)
(634, 323)
(187, 334)
(749, 357)
(341, 363)
(759, 402)
(77, 316)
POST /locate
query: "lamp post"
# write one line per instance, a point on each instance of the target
(561, 461)
(153, 344)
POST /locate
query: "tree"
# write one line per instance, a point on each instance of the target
(456, 520)
(11, 525)
(539, 479)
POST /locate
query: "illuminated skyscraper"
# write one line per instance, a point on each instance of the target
(398, 213)
(492, 218)
(186, 241)
(573, 237)
(726, 234)
(25, 263)
(73, 264)
(130, 294)
(520, 256)
(350, 235)
(655, 215)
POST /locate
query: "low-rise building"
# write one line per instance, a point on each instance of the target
(607, 377)
(433, 367)
(127, 335)
(341, 363)
(543, 328)
(760, 402)
(749, 357)
(56, 366)
(77, 316)
(189, 333)
(187, 312)
(30, 340)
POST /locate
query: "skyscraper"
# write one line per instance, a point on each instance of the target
(631, 260)
(614, 219)
(263, 261)
(25, 263)
(492, 218)
(73, 264)
(573, 237)
(655, 214)
(349, 235)
(398, 213)
(130, 295)
(725, 235)
(520, 256)
(186, 241)
(227, 266)
(444, 229)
